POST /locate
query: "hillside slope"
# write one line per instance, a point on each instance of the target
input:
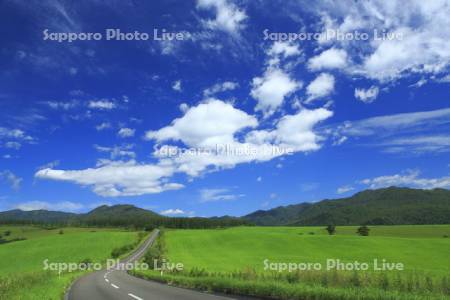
(383, 206)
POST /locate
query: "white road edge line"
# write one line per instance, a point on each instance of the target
(107, 280)
(114, 286)
(135, 297)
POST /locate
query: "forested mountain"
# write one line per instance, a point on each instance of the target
(387, 206)
(377, 207)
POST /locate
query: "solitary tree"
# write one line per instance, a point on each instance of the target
(363, 230)
(331, 229)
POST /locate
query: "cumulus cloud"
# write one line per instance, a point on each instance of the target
(118, 178)
(177, 212)
(210, 136)
(126, 132)
(208, 124)
(329, 59)
(271, 89)
(419, 45)
(228, 17)
(367, 96)
(220, 87)
(283, 49)
(321, 86)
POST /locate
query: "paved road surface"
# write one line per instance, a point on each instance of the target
(117, 284)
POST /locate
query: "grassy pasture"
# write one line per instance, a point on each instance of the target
(232, 260)
(418, 248)
(21, 262)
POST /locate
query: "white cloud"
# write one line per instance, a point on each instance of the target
(101, 104)
(218, 145)
(397, 122)
(203, 128)
(329, 59)
(228, 17)
(117, 151)
(177, 212)
(126, 132)
(409, 178)
(321, 86)
(213, 195)
(271, 89)
(412, 133)
(103, 126)
(220, 87)
(18, 134)
(284, 49)
(176, 86)
(118, 178)
(62, 105)
(418, 144)
(344, 189)
(51, 164)
(10, 178)
(184, 107)
(208, 124)
(445, 79)
(13, 145)
(367, 96)
(58, 206)
(423, 47)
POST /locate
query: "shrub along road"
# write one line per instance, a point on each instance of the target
(118, 284)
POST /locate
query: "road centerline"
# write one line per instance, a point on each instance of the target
(135, 297)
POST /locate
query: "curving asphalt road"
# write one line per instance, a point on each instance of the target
(118, 284)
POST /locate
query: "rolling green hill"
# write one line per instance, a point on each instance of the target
(388, 206)
(118, 215)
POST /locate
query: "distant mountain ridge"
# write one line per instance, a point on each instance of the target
(40, 215)
(122, 215)
(387, 206)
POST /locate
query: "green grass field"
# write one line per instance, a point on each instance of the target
(21, 262)
(239, 253)
(419, 248)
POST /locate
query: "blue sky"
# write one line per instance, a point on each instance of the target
(91, 122)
